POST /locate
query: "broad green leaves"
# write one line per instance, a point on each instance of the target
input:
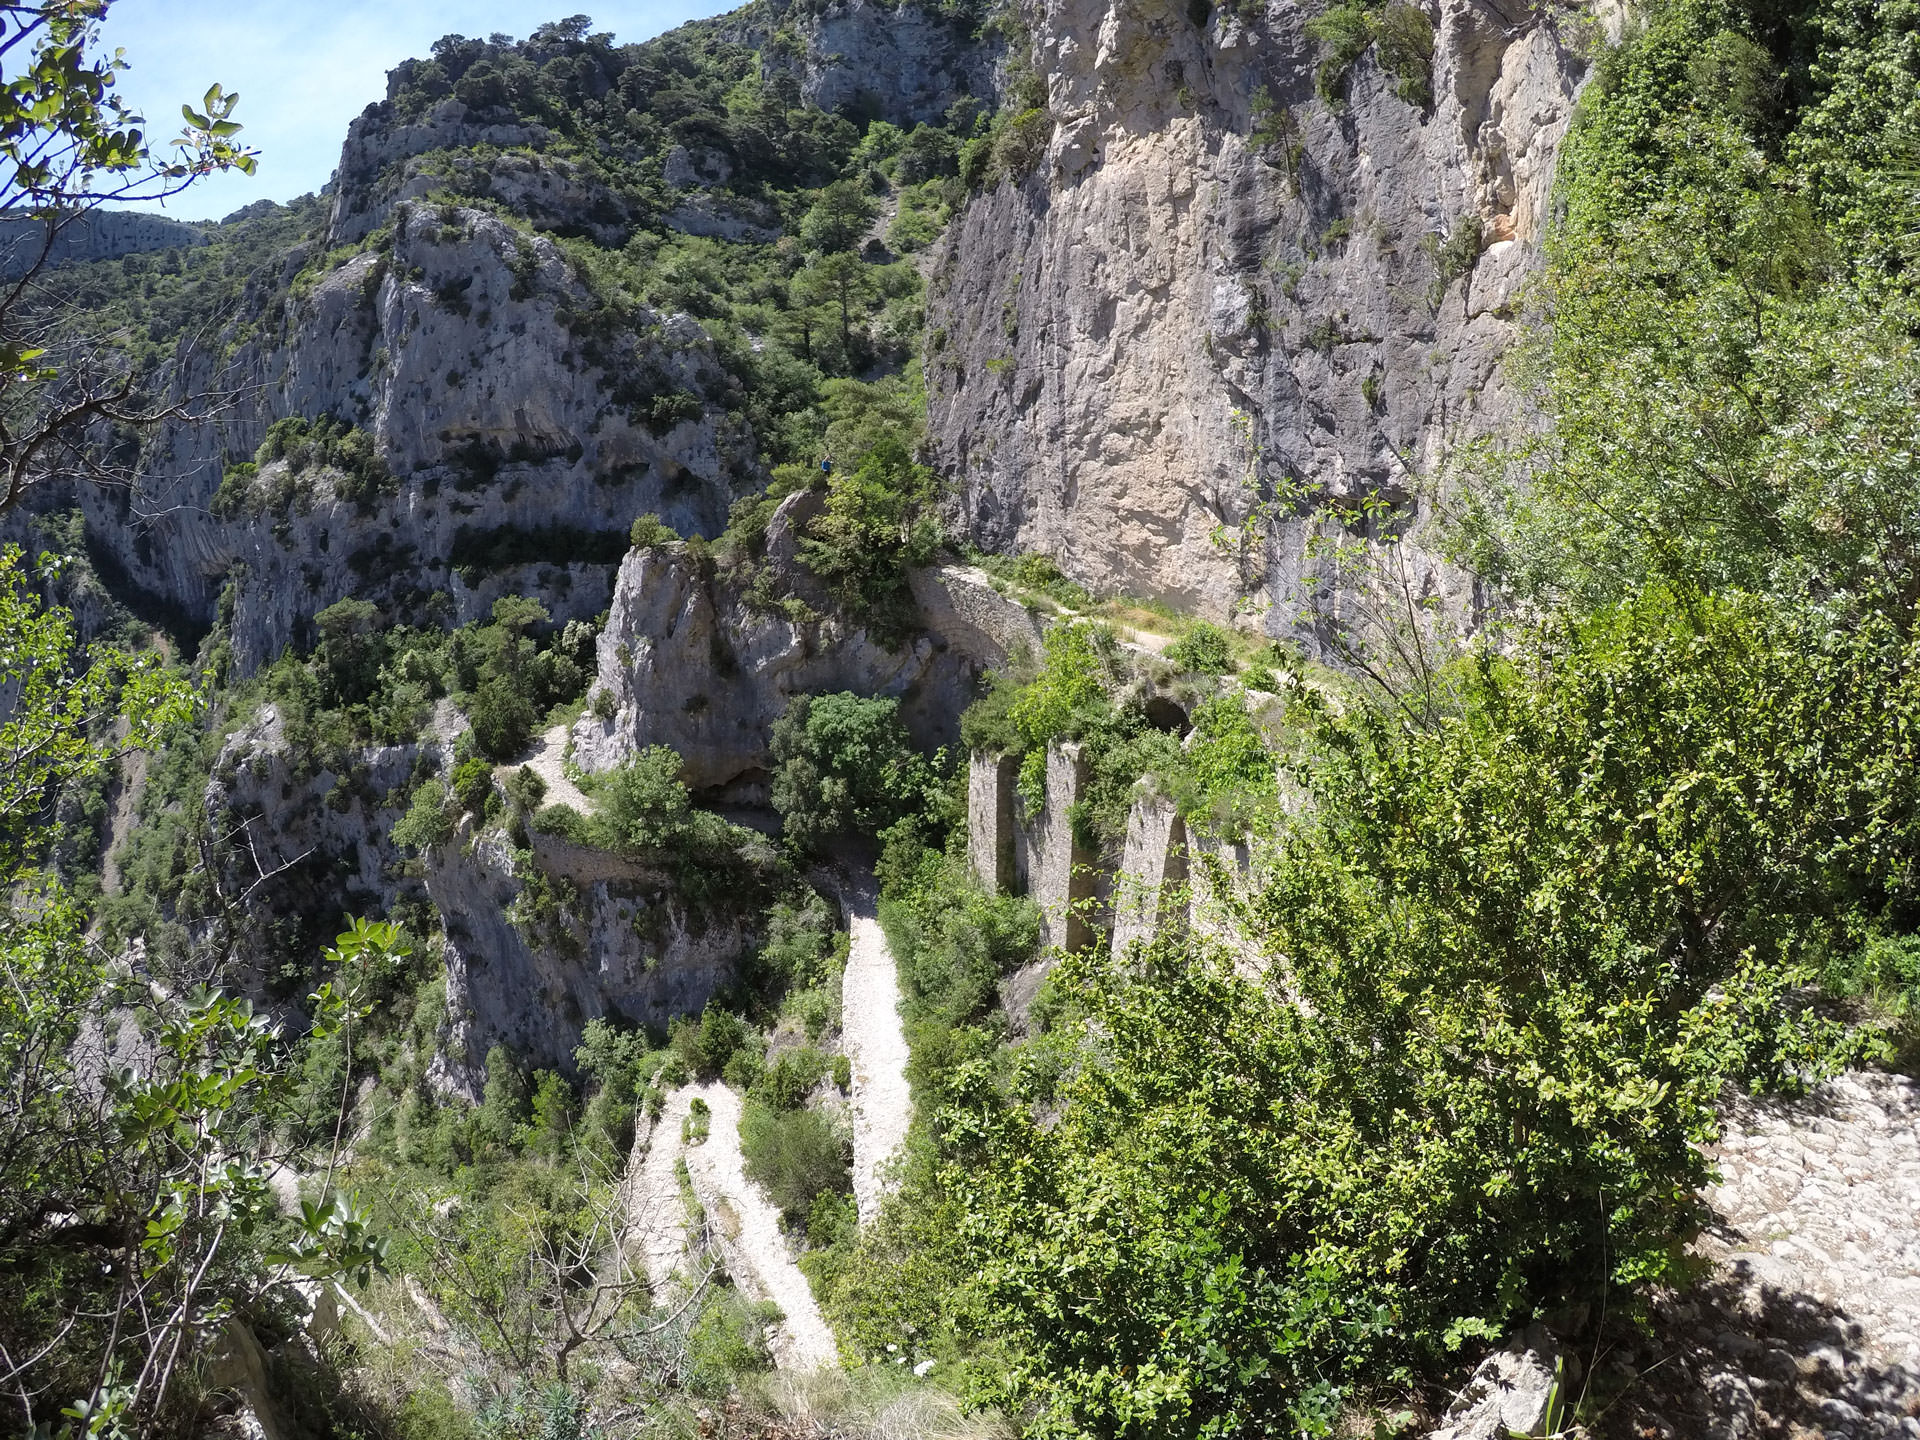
(1510, 962)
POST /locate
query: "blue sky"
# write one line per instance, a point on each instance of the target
(304, 68)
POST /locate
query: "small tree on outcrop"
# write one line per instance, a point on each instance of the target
(878, 524)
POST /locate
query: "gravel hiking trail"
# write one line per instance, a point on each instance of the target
(1809, 1324)
(656, 1210)
(1820, 1196)
(545, 760)
(876, 1046)
(746, 1228)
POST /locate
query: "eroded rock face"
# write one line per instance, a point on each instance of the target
(1516, 1391)
(537, 941)
(906, 64)
(528, 970)
(691, 663)
(1171, 331)
(521, 431)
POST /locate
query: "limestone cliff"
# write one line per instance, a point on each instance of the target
(536, 940)
(503, 404)
(1220, 299)
(95, 235)
(688, 659)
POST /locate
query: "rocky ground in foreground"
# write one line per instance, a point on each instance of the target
(1809, 1325)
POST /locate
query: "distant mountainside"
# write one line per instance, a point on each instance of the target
(98, 235)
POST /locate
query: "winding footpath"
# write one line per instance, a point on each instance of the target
(876, 1046)
(742, 1225)
(656, 1209)
(547, 759)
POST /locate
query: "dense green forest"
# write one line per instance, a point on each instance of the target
(1514, 924)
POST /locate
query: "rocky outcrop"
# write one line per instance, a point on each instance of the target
(1200, 316)
(304, 845)
(518, 425)
(378, 166)
(533, 954)
(904, 63)
(536, 942)
(1526, 1389)
(691, 660)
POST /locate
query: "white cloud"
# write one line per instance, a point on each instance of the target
(304, 68)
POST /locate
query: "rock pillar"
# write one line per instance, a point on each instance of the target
(1209, 910)
(1064, 883)
(1153, 870)
(990, 823)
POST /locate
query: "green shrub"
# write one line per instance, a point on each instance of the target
(644, 810)
(1068, 695)
(648, 531)
(1205, 649)
(706, 1046)
(525, 790)
(473, 785)
(952, 941)
(426, 823)
(236, 496)
(844, 767)
(1227, 775)
(726, 1343)
(879, 521)
(1346, 30)
(785, 1084)
(566, 822)
(795, 1156)
(1402, 34)
(799, 946)
(698, 1125)
(503, 717)
(549, 1131)
(503, 1107)
(838, 219)
(1519, 956)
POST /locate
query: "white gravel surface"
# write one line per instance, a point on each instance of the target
(656, 1210)
(877, 1047)
(746, 1227)
(545, 761)
(1821, 1197)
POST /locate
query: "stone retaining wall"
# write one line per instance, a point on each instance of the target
(1150, 890)
(1158, 883)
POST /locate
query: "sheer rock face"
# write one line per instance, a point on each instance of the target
(498, 413)
(691, 663)
(1140, 356)
(906, 64)
(619, 943)
(537, 942)
(95, 235)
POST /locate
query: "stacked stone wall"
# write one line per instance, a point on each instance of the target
(1165, 878)
(990, 820)
(1150, 889)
